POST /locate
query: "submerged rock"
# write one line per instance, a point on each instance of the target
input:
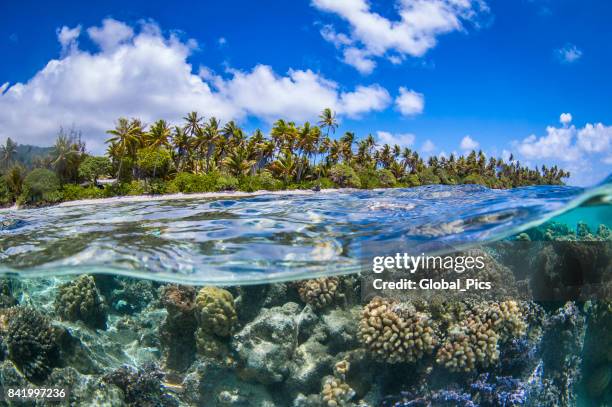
(266, 344)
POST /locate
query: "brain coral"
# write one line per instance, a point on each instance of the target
(473, 341)
(319, 292)
(80, 300)
(395, 332)
(215, 311)
(31, 342)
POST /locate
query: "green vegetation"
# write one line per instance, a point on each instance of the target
(204, 156)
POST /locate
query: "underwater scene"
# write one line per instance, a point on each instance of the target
(271, 299)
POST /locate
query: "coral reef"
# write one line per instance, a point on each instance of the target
(31, 342)
(319, 292)
(394, 332)
(177, 330)
(215, 311)
(80, 300)
(141, 387)
(473, 341)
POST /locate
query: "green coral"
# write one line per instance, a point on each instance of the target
(395, 332)
(215, 311)
(80, 300)
(31, 342)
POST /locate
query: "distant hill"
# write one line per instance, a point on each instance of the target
(26, 153)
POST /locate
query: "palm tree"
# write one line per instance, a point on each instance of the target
(327, 120)
(65, 157)
(237, 161)
(284, 167)
(159, 134)
(127, 135)
(14, 179)
(8, 152)
(193, 124)
(181, 142)
(206, 140)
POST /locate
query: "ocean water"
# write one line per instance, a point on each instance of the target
(257, 300)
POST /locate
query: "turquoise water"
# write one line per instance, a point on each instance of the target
(273, 237)
(88, 301)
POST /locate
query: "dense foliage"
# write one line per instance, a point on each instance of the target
(204, 156)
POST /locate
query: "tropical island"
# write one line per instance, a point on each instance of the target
(206, 156)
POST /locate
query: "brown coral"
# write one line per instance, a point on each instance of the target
(319, 292)
(177, 331)
(395, 332)
(80, 300)
(336, 392)
(473, 341)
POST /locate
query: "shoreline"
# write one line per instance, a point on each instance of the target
(179, 196)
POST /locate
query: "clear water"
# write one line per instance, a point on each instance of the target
(282, 349)
(272, 237)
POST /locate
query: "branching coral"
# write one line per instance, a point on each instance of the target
(31, 342)
(319, 292)
(473, 341)
(80, 300)
(215, 311)
(141, 387)
(395, 332)
(336, 392)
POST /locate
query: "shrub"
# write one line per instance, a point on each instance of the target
(374, 178)
(5, 194)
(226, 183)
(136, 188)
(41, 185)
(72, 192)
(386, 178)
(155, 186)
(93, 168)
(262, 181)
(187, 182)
(344, 176)
(427, 177)
(474, 179)
(411, 180)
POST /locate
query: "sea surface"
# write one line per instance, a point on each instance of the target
(264, 237)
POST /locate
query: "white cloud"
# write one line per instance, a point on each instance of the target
(409, 102)
(147, 74)
(373, 35)
(595, 138)
(364, 99)
(359, 60)
(565, 118)
(402, 140)
(557, 143)
(111, 34)
(67, 37)
(468, 143)
(428, 146)
(222, 41)
(568, 54)
(579, 149)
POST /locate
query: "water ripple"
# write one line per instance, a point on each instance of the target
(242, 238)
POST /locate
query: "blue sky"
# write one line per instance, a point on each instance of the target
(437, 75)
